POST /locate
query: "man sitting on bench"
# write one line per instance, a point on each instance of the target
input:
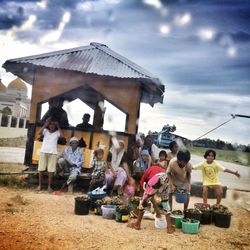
(70, 161)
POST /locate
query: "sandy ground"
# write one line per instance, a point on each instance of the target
(38, 220)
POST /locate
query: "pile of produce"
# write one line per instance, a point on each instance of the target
(194, 211)
(221, 209)
(177, 212)
(190, 220)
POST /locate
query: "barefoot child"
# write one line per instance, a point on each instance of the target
(179, 174)
(154, 181)
(48, 152)
(210, 169)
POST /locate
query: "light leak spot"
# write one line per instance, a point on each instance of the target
(165, 29)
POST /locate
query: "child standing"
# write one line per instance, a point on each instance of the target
(163, 162)
(154, 180)
(99, 168)
(179, 174)
(210, 169)
(48, 152)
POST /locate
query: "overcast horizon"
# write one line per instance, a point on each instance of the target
(198, 49)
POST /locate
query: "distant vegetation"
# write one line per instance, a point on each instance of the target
(235, 153)
(218, 144)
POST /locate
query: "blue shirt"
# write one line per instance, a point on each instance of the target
(75, 157)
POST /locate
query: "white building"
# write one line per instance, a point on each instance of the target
(15, 99)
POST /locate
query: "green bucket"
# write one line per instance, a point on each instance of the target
(190, 227)
(176, 220)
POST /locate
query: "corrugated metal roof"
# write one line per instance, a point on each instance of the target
(95, 58)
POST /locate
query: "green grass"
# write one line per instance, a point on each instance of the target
(17, 181)
(13, 181)
(11, 167)
(19, 142)
(241, 158)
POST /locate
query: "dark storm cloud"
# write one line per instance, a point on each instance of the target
(10, 18)
(241, 36)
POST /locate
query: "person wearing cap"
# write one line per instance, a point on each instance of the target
(141, 164)
(85, 122)
(151, 147)
(70, 161)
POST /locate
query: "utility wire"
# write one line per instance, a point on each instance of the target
(233, 117)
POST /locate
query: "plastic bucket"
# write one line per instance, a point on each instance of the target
(176, 220)
(206, 217)
(160, 223)
(222, 220)
(94, 198)
(122, 215)
(192, 215)
(82, 206)
(190, 227)
(108, 211)
(181, 197)
(206, 210)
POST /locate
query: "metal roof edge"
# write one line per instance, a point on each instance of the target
(54, 53)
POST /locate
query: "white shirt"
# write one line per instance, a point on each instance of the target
(50, 142)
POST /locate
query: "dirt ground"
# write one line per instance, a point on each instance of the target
(38, 220)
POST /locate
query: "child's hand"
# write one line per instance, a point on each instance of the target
(48, 120)
(57, 124)
(237, 174)
(172, 187)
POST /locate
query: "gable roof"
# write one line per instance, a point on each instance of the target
(95, 59)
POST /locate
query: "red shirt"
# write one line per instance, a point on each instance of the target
(150, 172)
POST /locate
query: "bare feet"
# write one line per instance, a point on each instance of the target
(39, 188)
(50, 190)
(158, 215)
(170, 230)
(134, 226)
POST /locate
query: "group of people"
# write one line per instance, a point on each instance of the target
(142, 170)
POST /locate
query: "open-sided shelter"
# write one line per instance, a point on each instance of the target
(93, 74)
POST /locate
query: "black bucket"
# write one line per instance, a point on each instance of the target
(222, 220)
(122, 215)
(82, 206)
(192, 215)
(94, 198)
(206, 217)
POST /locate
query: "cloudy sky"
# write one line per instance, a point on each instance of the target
(198, 49)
